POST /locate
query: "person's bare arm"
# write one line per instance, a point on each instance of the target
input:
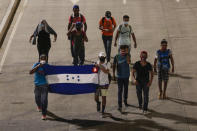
(34, 69)
(104, 69)
(116, 37)
(134, 77)
(85, 38)
(70, 30)
(151, 79)
(172, 62)
(155, 65)
(85, 27)
(114, 70)
(134, 39)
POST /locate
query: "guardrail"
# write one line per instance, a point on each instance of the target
(7, 19)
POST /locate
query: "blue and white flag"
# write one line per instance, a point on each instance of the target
(72, 80)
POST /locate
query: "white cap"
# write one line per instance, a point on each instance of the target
(101, 54)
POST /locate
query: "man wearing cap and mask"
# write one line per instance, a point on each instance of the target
(124, 34)
(78, 37)
(107, 25)
(103, 82)
(74, 18)
(121, 62)
(41, 85)
(143, 76)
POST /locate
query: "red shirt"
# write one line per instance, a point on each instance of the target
(77, 19)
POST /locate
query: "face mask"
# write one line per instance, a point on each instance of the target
(102, 59)
(125, 22)
(42, 61)
(123, 52)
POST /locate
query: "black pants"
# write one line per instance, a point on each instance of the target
(107, 41)
(41, 97)
(71, 49)
(123, 84)
(145, 89)
(79, 54)
(43, 50)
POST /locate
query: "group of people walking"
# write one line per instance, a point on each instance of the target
(142, 71)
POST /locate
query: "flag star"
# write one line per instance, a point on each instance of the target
(77, 76)
(73, 78)
(67, 79)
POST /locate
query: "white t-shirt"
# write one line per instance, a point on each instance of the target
(103, 77)
(125, 35)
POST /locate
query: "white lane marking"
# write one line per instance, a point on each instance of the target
(124, 2)
(74, 1)
(12, 36)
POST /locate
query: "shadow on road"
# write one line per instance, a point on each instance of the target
(182, 102)
(119, 124)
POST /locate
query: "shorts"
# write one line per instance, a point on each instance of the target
(163, 75)
(101, 91)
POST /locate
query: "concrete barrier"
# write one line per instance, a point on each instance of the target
(7, 19)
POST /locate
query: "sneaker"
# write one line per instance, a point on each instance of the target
(126, 104)
(44, 117)
(145, 112)
(160, 95)
(98, 106)
(164, 96)
(120, 109)
(39, 109)
(140, 107)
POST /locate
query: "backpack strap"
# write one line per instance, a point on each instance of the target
(130, 29)
(81, 18)
(71, 19)
(103, 20)
(120, 28)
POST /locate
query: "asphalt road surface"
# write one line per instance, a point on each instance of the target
(152, 20)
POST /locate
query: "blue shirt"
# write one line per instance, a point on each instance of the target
(39, 79)
(163, 59)
(123, 70)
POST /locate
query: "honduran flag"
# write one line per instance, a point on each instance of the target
(72, 80)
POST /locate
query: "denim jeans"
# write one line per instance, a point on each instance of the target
(145, 89)
(41, 97)
(107, 41)
(122, 86)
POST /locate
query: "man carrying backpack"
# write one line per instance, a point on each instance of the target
(107, 25)
(124, 34)
(162, 60)
(121, 62)
(79, 37)
(74, 18)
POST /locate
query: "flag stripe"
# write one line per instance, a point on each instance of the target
(72, 89)
(51, 70)
(73, 78)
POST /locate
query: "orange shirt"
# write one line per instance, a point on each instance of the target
(107, 24)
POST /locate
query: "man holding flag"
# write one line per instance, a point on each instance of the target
(41, 86)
